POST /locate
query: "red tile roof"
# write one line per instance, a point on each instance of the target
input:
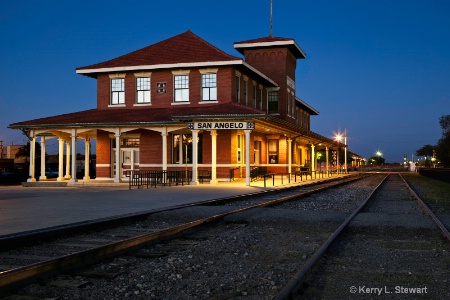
(123, 116)
(183, 48)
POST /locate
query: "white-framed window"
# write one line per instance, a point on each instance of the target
(117, 91)
(181, 88)
(239, 146)
(143, 90)
(209, 87)
(261, 98)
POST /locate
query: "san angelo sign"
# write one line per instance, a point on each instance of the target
(221, 125)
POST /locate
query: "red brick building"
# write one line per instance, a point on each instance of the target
(184, 103)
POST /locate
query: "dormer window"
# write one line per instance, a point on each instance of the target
(117, 91)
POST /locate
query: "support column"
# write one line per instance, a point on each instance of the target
(213, 157)
(313, 158)
(247, 157)
(32, 159)
(194, 156)
(289, 153)
(61, 160)
(118, 165)
(164, 150)
(327, 161)
(74, 156)
(42, 177)
(87, 158)
(345, 150)
(67, 160)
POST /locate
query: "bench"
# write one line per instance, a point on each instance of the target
(203, 174)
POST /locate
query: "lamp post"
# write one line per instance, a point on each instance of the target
(338, 139)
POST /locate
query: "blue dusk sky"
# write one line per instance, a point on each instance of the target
(380, 69)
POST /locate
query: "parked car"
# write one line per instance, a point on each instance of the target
(49, 173)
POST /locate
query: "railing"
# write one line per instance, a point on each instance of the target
(153, 178)
(257, 172)
(272, 175)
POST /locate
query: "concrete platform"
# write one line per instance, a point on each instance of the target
(39, 205)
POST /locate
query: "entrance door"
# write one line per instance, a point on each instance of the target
(126, 161)
(129, 160)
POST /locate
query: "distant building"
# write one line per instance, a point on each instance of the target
(183, 102)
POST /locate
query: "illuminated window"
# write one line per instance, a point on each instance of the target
(273, 151)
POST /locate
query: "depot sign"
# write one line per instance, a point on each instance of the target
(221, 125)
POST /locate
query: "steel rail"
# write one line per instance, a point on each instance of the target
(14, 278)
(428, 211)
(295, 285)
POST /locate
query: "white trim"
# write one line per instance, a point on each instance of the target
(117, 105)
(208, 101)
(180, 72)
(270, 44)
(117, 75)
(142, 104)
(142, 74)
(161, 66)
(208, 70)
(180, 103)
(103, 165)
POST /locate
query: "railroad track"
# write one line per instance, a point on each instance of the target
(28, 257)
(389, 247)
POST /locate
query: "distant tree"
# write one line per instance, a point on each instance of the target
(444, 121)
(376, 160)
(24, 152)
(443, 150)
(426, 150)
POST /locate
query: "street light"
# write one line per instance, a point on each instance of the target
(338, 138)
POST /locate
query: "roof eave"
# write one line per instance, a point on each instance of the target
(299, 52)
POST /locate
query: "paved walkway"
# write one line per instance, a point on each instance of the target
(29, 208)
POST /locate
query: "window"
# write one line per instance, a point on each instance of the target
(273, 151)
(143, 90)
(239, 146)
(260, 98)
(118, 91)
(272, 103)
(181, 88)
(245, 91)
(209, 87)
(238, 89)
(182, 148)
(288, 103)
(254, 95)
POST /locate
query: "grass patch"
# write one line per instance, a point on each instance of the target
(429, 189)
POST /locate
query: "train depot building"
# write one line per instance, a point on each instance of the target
(183, 104)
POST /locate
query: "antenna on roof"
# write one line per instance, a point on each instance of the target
(270, 18)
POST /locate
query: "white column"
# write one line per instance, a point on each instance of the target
(313, 158)
(87, 147)
(32, 159)
(213, 157)
(74, 156)
(42, 177)
(67, 160)
(247, 157)
(180, 150)
(164, 150)
(118, 165)
(337, 159)
(194, 156)
(326, 155)
(61, 160)
(289, 153)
